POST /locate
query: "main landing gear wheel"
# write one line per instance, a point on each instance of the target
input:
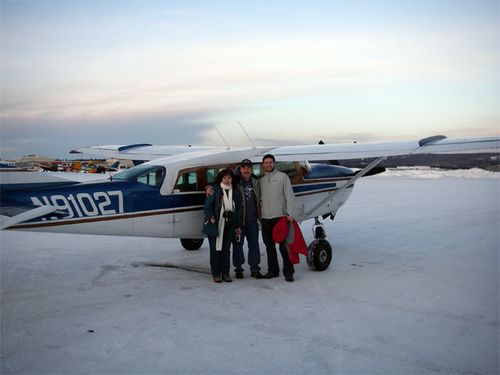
(191, 243)
(320, 254)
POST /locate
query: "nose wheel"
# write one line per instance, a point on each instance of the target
(320, 250)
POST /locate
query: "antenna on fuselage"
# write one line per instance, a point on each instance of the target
(244, 131)
(223, 140)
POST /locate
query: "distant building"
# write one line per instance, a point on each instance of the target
(31, 161)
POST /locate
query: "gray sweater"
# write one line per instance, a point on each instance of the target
(276, 195)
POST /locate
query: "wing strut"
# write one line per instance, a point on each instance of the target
(349, 183)
(365, 170)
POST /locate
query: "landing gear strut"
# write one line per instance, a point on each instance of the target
(191, 243)
(320, 251)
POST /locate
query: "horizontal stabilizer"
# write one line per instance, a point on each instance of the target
(28, 215)
(140, 152)
(27, 180)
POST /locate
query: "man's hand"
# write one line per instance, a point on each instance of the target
(289, 218)
(209, 190)
(212, 219)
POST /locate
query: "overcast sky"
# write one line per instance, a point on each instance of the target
(80, 73)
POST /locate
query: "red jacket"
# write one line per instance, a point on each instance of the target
(295, 241)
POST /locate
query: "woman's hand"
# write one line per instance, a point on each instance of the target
(212, 220)
(238, 231)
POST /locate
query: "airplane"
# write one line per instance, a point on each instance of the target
(164, 196)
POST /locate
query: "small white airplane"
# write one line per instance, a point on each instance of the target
(164, 196)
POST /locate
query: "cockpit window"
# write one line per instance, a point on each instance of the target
(187, 182)
(318, 171)
(145, 174)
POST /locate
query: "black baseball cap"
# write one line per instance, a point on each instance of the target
(246, 163)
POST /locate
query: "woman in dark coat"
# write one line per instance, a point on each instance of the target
(222, 223)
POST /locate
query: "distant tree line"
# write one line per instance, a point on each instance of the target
(490, 161)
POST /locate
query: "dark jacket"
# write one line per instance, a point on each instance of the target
(213, 204)
(255, 185)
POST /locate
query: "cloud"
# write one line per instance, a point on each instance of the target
(165, 82)
(54, 138)
(226, 75)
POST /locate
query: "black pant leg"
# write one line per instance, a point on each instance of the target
(267, 236)
(227, 240)
(215, 257)
(288, 269)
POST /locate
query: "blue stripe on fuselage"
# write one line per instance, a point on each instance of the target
(110, 198)
(312, 187)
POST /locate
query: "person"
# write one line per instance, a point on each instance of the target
(222, 223)
(250, 226)
(276, 201)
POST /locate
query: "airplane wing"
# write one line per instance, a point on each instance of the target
(431, 145)
(339, 151)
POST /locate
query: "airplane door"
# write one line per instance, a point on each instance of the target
(187, 221)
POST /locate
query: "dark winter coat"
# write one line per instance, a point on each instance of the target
(213, 204)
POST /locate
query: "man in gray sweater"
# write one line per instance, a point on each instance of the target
(276, 201)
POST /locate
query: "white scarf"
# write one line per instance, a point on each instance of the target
(227, 205)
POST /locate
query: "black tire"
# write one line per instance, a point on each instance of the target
(191, 243)
(320, 255)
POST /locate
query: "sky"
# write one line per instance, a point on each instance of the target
(81, 73)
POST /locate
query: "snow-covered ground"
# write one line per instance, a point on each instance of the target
(414, 288)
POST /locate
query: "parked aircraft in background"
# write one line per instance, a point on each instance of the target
(164, 196)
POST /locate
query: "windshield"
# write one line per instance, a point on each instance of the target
(152, 175)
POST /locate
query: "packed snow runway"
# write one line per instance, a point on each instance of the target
(413, 288)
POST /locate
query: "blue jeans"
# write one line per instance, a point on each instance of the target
(251, 232)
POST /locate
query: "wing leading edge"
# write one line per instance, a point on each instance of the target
(431, 145)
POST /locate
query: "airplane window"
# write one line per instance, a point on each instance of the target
(287, 167)
(152, 177)
(187, 182)
(145, 174)
(257, 169)
(318, 171)
(212, 174)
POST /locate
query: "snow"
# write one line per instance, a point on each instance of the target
(414, 288)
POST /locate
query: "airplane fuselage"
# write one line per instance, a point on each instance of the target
(137, 207)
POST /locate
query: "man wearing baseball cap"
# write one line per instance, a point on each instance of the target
(248, 187)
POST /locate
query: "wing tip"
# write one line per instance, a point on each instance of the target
(430, 140)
